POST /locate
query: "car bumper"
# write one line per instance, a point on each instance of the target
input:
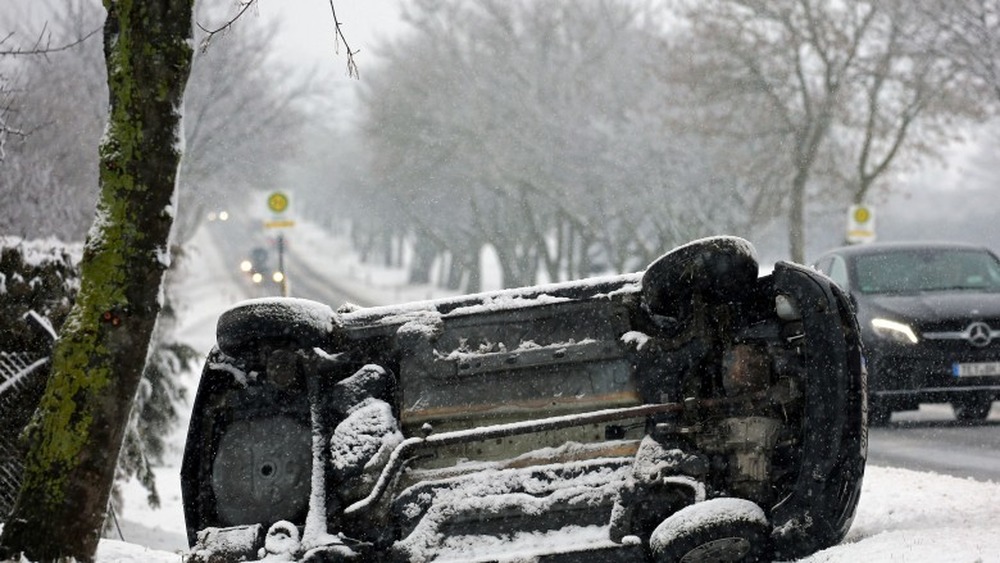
(908, 377)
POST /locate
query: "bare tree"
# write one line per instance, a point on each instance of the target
(50, 186)
(827, 84)
(7, 128)
(972, 35)
(49, 176)
(243, 120)
(42, 45)
(538, 130)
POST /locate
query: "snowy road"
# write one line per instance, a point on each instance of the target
(308, 283)
(931, 440)
(240, 235)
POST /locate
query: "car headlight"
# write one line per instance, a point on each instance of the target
(893, 330)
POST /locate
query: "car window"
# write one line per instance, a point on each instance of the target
(838, 272)
(916, 270)
(823, 265)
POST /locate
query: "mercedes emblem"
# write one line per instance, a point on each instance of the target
(979, 334)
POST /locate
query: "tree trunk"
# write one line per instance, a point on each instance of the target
(423, 260)
(76, 434)
(475, 281)
(454, 274)
(796, 217)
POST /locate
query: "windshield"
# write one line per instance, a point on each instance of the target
(921, 270)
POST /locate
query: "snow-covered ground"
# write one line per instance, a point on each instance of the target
(903, 515)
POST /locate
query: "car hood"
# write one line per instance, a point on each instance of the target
(930, 307)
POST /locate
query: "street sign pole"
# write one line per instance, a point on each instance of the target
(281, 264)
(278, 203)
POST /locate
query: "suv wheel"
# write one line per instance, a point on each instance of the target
(716, 530)
(973, 408)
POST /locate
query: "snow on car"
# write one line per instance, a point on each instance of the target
(696, 410)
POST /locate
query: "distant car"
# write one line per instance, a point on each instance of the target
(256, 265)
(930, 323)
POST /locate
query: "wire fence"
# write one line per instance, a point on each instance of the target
(22, 381)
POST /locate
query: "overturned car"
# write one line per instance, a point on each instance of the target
(696, 411)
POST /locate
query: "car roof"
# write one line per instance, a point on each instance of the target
(879, 247)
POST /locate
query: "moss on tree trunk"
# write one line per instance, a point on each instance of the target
(77, 431)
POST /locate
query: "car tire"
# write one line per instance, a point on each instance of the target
(972, 409)
(298, 323)
(816, 510)
(722, 268)
(720, 529)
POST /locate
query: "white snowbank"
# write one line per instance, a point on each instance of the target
(905, 516)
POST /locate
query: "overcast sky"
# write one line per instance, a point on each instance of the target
(307, 35)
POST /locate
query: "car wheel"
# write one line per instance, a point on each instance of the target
(816, 510)
(300, 322)
(716, 530)
(721, 268)
(972, 409)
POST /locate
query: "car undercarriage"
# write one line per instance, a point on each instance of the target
(695, 411)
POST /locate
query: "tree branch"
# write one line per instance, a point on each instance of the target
(211, 33)
(37, 49)
(352, 67)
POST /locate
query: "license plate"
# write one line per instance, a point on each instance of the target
(975, 369)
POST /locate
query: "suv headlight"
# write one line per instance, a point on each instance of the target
(895, 331)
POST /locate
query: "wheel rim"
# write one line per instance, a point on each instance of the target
(722, 550)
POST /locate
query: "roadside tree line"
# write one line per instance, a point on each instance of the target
(238, 126)
(571, 138)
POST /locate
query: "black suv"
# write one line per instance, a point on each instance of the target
(930, 323)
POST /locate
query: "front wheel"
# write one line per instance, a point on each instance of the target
(279, 322)
(972, 409)
(717, 530)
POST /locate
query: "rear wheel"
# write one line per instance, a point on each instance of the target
(973, 408)
(717, 530)
(721, 269)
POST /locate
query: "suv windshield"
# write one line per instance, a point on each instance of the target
(917, 270)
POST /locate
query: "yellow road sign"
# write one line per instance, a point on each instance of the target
(860, 224)
(277, 202)
(278, 224)
(861, 214)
